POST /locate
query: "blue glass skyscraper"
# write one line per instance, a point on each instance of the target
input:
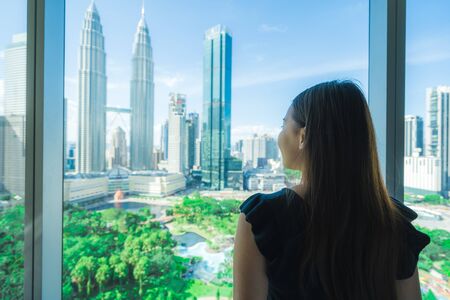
(216, 121)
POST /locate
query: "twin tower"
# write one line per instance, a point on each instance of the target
(92, 97)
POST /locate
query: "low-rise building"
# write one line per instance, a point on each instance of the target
(85, 189)
(156, 183)
(263, 180)
(422, 175)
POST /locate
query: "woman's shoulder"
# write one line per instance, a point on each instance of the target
(264, 212)
(406, 212)
(267, 203)
(416, 241)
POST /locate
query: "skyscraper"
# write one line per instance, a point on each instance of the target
(198, 152)
(216, 121)
(192, 134)
(437, 129)
(118, 150)
(13, 148)
(259, 146)
(413, 135)
(92, 95)
(141, 99)
(177, 133)
(165, 138)
(2, 153)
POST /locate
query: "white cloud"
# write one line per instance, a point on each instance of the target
(424, 58)
(118, 85)
(115, 67)
(247, 131)
(268, 76)
(169, 80)
(428, 50)
(272, 28)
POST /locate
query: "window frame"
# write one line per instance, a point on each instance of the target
(43, 249)
(387, 28)
(44, 142)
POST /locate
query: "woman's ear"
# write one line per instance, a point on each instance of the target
(302, 138)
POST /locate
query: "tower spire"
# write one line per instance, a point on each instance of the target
(142, 9)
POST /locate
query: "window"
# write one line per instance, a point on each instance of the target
(427, 89)
(170, 125)
(13, 70)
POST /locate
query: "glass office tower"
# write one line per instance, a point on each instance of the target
(216, 123)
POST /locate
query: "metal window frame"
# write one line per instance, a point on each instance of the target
(44, 149)
(45, 137)
(387, 19)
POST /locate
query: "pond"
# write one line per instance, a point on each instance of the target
(188, 239)
(191, 244)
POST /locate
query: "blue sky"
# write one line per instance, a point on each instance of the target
(279, 49)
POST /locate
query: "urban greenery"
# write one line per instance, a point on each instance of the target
(437, 254)
(213, 219)
(11, 252)
(434, 199)
(115, 254)
(120, 255)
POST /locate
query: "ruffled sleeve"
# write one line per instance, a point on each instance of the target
(260, 211)
(416, 241)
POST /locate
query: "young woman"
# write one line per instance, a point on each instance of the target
(338, 234)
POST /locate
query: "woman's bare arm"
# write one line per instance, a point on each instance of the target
(249, 276)
(409, 289)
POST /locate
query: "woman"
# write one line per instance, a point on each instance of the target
(337, 234)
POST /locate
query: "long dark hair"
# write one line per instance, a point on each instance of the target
(351, 239)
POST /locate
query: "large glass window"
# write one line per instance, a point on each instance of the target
(172, 113)
(427, 152)
(13, 63)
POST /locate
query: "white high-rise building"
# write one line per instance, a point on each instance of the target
(422, 174)
(437, 129)
(141, 99)
(198, 151)
(164, 142)
(13, 148)
(92, 95)
(263, 146)
(192, 134)
(15, 75)
(118, 149)
(177, 133)
(413, 135)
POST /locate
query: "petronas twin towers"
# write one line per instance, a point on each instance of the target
(92, 97)
(141, 99)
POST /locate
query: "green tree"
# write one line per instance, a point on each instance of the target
(89, 264)
(79, 275)
(140, 271)
(102, 275)
(434, 199)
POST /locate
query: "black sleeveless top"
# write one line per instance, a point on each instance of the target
(276, 235)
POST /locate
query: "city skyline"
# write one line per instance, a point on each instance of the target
(166, 82)
(425, 63)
